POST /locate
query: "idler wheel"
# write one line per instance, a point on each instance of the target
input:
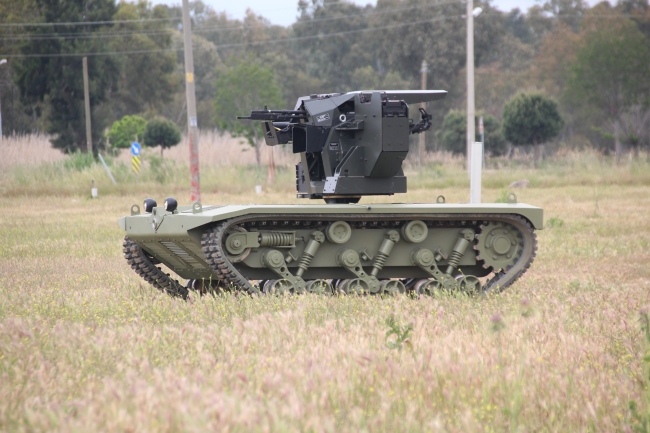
(319, 287)
(278, 287)
(240, 252)
(392, 287)
(470, 284)
(426, 287)
(355, 286)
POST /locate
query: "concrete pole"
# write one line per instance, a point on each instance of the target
(0, 117)
(192, 125)
(89, 135)
(423, 70)
(476, 165)
(2, 62)
(471, 135)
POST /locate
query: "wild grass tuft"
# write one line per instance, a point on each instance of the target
(86, 345)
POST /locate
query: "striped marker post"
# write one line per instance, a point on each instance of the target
(135, 165)
(135, 161)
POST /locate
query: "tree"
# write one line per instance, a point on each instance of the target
(53, 80)
(495, 143)
(611, 70)
(126, 130)
(163, 133)
(243, 87)
(452, 135)
(148, 80)
(635, 125)
(531, 118)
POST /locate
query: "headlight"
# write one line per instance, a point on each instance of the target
(149, 204)
(170, 204)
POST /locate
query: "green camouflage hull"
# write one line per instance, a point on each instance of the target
(344, 248)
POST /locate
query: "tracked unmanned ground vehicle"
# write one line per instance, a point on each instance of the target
(350, 145)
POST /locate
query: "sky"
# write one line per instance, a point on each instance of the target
(284, 12)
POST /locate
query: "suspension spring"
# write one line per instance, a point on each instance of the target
(277, 239)
(392, 237)
(461, 246)
(305, 260)
(380, 260)
(317, 238)
(454, 259)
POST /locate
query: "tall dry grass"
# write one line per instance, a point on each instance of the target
(227, 166)
(27, 150)
(85, 345)
(214, 149)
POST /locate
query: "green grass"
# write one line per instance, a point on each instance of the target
(86, 345)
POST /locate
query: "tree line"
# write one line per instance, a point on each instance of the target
(592, 62)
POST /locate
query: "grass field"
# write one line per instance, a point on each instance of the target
(85, 345)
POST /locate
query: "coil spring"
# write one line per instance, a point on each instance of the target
(380, 260)
(276, 239)
(305, 260)
(454, 259)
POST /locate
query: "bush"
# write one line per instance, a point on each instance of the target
(454, 132)
(531, 118)
(126, 130)
(163, 133)
(79, 161)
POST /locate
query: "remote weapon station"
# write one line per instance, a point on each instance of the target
(351, 145)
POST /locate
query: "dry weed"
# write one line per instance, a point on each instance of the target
(85, 345)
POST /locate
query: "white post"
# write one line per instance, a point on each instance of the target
(190, 95)
(89, 135)
(423, 70)
(470, 82)
(2, 62)
(475, 173)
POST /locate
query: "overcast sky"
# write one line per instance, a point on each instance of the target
(284, 12)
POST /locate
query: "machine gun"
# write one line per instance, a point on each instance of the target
(350, 144)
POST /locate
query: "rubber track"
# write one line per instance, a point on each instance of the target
(503, 280)
(140, 263)
(212, 241)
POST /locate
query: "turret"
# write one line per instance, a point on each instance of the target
(350, 144)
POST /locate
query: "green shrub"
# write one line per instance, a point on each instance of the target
(79, 161)
(554, 222)
(453, 134)
(163, 133)
(125, 131)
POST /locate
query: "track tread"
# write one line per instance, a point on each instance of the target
(140, 263)
(493, 283)
(212, 241)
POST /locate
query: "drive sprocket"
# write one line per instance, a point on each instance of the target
(499, 245)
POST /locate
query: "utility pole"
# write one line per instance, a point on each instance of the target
(192, 125)
(3, 62)
(89, 136)
(471, 135)
(423, 70)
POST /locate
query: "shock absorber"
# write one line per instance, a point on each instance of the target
(392, 237)
(467, 236)
(317, 238)
(276, 239)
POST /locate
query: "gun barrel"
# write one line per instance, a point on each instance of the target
(276, 115)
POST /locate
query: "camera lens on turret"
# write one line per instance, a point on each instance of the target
(170, 204)
(149, 204)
